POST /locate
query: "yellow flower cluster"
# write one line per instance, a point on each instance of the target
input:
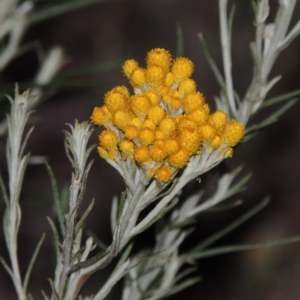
(165, 121)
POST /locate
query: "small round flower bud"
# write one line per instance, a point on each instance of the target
(146, 136)
(163, 174)
(216, 141)
(114, 101)
(182, 68)
(121, 118)
(148, 124)
(140, 105)
(112, 153)
(101, 115)
(175, 103)
(155, 75)
(218, 119)
(137, 122)
(228, 152)
(108, 139)
(170, 79)
(129, 66)
(208, 131)
(127, 147)
(159, 57)
(179, 159)
(130, 132)
(121, 89)
(156, 114)
(233, 132)
(158, 153)
(187, 86)
(138, 77)
(159, 135)
(167, 125)
(171, 145)
(191, 139)
(102, 152)
(192, 102)
(141, 154)
(199, 116)
(184, 123)
(153, 96)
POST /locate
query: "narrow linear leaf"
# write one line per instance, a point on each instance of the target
(55, 295)
(155, 282)
(86, 213)
(255, 129)
(179, 287)
(158, 216)
(44, 295)
(187, 222)
(7, 268)
(57, 200)
(55, 10)
(56, 236)
(30, 297)
(239, 186)
(211, 62)
(31, 263)
(90, 69)
(212, 239)
(121, 205)
(186, 272)
(3, 190)
(224, 207)
(236, 248)
(180, 42)
(26, 140)
(279, 99)
(254, 6)
(96, 239)
(123, 258)
(230, 22)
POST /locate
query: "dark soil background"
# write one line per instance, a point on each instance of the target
(118, 30)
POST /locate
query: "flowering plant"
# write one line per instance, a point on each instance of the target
(159, 137)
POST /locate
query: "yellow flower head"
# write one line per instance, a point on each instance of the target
(155, 75)
(165, 122)
(156, 114)
(138, 77)
(191, 139)
(163, 174)
(218, 119)
(108, 139)
(114, 101)
(130, 132)
(159, 57)
(233, 132)
(167, 125)
(192, 102)
(187, 86)
(140, 105)
(127, 147)
(141, 154)
(179, 159)
(158, 153)
(146, 136)
(121, 118)
(182, 68)
(101, 116)
(171, 145)
(129, 66)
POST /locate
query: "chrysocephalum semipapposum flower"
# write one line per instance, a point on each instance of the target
(165, 121)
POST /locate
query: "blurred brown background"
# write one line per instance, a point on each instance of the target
(117, 30)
